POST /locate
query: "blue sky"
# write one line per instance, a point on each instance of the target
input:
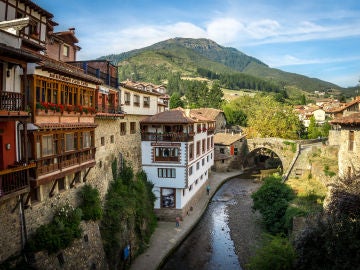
(316, 38)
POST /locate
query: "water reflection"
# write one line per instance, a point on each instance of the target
(209, 245)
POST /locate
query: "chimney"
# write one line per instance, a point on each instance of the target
(72, 30)
(187, 112)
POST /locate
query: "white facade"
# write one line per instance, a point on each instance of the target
(138, 102)
(183, 171)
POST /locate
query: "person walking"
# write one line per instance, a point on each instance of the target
(177, 221)
(208, 189)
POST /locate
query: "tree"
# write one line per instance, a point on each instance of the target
(272, 200)
(215, 96)
(175, 101)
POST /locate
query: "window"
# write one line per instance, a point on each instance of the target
(70, 141)
(197, 148)
(191, 151)
(203, 162)
(122, 128)
(132, 127)
(197, 165)
(236, 151)
(66, 50)
(127, 98)
(136, 100)
(190, 170)
(198, 128)
(146, 102)
(47, 146)
(222, 150)
(166, 173)
(167, 154)
(86, 143)
(102, 141)
(208, 143)
(351, 140)
(112, 139)
(203, 145)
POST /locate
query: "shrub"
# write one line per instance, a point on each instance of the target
(276, 253)
(60, 233)
(91, 204)
(272, 200)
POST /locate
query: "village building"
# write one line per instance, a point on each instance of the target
(345, 109)
(305, 112)
(177, 154)
(214, 114)
(15, 120)
(229, 151)
(346, 134)
(47, 122)
(138, 101)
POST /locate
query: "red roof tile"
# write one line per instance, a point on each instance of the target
(349, 120)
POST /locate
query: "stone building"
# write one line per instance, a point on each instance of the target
(348, 134)
(214, 114)
(229, 151)
(138, 100)
(14, 124)
(177, 154)
(49, 146)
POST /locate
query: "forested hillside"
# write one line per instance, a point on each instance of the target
(194, 57)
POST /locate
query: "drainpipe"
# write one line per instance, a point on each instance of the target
(22, 222)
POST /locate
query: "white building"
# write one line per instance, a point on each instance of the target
(177, 154)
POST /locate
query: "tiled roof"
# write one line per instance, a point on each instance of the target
(349, 120)
(227, 138)
(344, 106)
(176, 116)
(210, 113)
(66, 69)
(66, 125)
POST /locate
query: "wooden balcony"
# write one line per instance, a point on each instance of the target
(11, 101)
(167, 137)
(60, 163)
(14, 181)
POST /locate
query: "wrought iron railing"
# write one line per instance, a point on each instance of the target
(11, 101)
(14, 179)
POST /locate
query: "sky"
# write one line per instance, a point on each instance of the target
(316, 38)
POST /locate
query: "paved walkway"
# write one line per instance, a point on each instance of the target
(167, 236)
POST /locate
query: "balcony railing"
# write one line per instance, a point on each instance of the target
(171, 137)
(11, 101)
(109, 109)
(14, 179)
(60, 162)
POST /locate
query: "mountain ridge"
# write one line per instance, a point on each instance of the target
(187, 55)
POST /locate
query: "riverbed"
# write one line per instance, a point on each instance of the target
(227, 233)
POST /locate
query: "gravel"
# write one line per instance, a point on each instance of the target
(244, 223)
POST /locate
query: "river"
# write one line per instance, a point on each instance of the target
(210, 246)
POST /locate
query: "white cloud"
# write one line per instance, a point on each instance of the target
(224, 30)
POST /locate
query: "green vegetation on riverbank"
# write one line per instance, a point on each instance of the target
(128, 218)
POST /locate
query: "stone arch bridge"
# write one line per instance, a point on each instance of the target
(286, 150)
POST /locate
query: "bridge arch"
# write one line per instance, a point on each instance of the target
(285, 150)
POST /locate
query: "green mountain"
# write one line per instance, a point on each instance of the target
(190, 56)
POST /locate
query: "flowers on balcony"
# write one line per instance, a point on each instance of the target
(46, 106)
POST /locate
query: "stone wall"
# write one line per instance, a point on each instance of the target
(349, 160)
(122, 147)
(85, 253)
(112, 146)
(10, 227)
